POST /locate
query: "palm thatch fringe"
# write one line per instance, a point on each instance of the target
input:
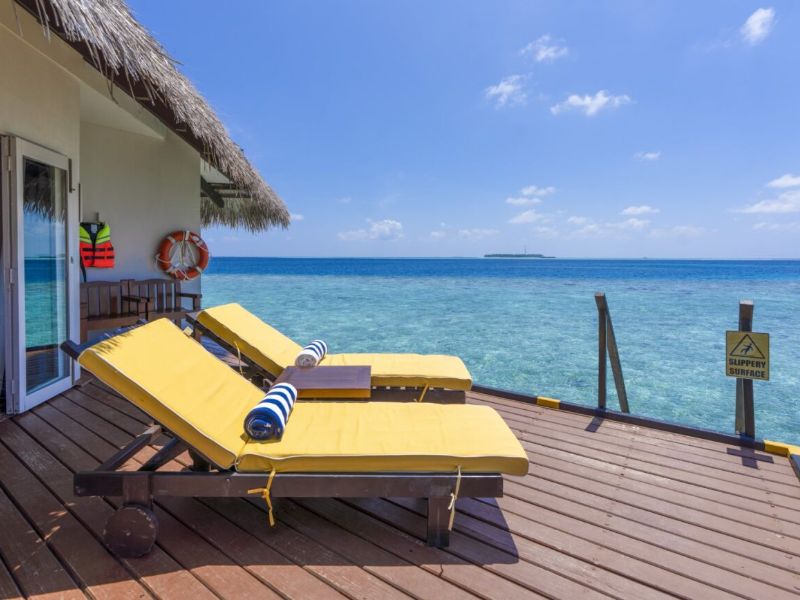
(122, 50)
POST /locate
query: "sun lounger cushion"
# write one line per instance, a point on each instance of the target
(410, 370)
(238, 327)
(204, 402)
(273, 351)
(180, 384)
(389, 436)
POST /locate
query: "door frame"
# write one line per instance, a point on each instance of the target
(15, 150)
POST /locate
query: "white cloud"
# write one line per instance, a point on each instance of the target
(590, 105)
(644, 209)
(606, 229)
(385, 229)
(523, 200)
(530, 195)
(785, 181)
(648, 156)
(786, 202)
(787, 226)
(344, 200)
(296, 217)
(678, 231)
(546, 232)
(528, 216)
(544, 50)
(508, 92)
(476, 233)
(632, 223)
(532, 190)
(758, 26)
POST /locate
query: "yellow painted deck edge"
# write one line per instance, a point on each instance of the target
(548, 402)
(780, 448)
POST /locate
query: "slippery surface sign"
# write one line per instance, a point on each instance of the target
(747, 355)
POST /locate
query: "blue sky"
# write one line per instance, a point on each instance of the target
(578, 129)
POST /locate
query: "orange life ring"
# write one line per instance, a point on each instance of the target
(176, 258)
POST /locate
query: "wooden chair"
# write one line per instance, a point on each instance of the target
(162, 298)
(109, 305)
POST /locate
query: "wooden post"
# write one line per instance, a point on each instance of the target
(616, 364)
(607, 344)
(600, 300)
(745, 408)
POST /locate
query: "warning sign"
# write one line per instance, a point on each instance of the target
(747, 355)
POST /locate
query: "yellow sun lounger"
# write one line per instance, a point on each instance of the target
(342, 449)
(442, 377)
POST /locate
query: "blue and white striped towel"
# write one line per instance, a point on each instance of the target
(311, 355)
(267, 420)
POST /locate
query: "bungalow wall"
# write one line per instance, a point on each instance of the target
(144, 188)
(140, 177)
(39, 100)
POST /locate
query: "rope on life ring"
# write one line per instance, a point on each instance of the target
(176, 258)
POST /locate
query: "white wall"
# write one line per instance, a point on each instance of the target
(143, 188)
(39, 101)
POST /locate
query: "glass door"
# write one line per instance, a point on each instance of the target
(42, 287)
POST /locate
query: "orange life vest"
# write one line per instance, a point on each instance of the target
(95, 246)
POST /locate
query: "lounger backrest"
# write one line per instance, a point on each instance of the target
(180, 384)
(255, 339)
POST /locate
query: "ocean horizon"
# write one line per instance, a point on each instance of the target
(530, 325)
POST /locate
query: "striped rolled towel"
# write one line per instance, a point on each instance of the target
(311, 355)
(267, 419)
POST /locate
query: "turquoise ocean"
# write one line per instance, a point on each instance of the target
(530, 325)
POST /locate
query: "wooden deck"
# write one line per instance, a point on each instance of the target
(607, 511)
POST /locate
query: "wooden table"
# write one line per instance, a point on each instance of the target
(329, 382)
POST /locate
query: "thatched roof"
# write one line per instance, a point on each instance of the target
(108, 36)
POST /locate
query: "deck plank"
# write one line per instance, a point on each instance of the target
(761, 514)
(453, 566)
(36, 569)
(741, 483)
(258, 559)
(665, 533)
(192, 553)
(9, 590)
(157, 571)
(552, 424)
(608, 510)
(82, 554)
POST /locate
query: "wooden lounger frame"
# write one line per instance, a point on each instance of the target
(260, 375)
(132, 530)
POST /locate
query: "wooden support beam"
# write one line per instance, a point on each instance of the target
(211, 193)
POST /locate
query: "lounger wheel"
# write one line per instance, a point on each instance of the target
(131, 531)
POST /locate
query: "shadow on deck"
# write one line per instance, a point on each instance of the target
(607, 510)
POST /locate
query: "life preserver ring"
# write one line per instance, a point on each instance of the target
(177, 258)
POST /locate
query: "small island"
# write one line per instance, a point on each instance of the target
(523, 255)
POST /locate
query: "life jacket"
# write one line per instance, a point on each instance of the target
(95, 246)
